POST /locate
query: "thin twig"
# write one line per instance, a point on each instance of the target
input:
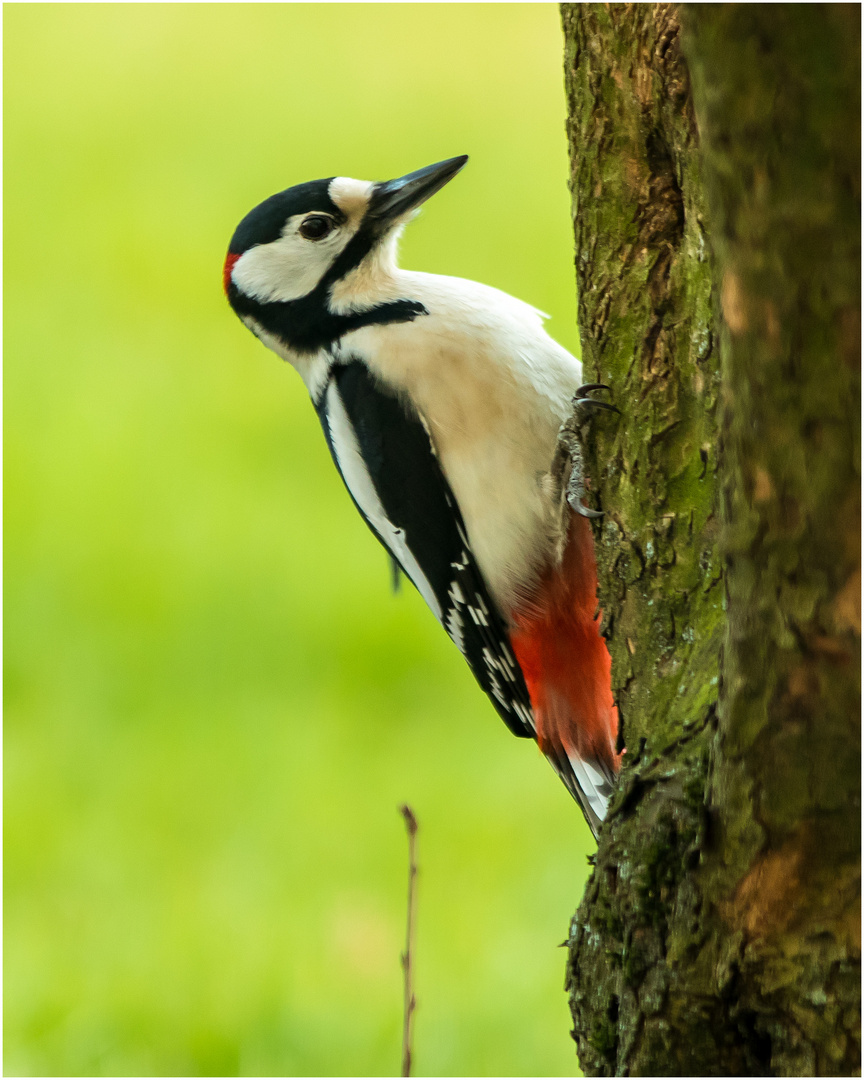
(407, 957)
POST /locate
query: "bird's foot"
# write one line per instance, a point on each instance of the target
(570, 447)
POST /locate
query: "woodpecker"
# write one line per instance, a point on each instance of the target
(441, 401)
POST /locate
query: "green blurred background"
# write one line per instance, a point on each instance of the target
(213, 704)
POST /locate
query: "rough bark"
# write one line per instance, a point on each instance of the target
(779, 114)
(718, 934)
(645, 313)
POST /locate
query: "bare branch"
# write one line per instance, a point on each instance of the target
(407, 957)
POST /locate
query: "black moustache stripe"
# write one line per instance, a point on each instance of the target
(307, 325)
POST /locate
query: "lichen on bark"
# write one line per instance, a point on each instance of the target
(710, 941)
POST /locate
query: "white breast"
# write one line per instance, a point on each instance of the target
(493, 388)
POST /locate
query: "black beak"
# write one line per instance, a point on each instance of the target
(393, 198)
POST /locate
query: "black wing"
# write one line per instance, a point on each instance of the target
(386, 458)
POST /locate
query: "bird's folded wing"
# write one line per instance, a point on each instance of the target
(386, 457)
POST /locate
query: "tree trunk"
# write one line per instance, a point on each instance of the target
(719, 933)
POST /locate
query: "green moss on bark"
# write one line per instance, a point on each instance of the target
(645, 312)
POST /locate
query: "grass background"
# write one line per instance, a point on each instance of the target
(213, 705)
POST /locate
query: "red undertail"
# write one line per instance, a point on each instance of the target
(564, 659)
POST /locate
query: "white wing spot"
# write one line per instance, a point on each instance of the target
(496, 690)
(525, 715)
(453, 626)
(505, 663)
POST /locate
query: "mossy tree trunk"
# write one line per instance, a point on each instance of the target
(717, 213)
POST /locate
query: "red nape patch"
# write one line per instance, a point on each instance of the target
(567, 667)
(226, 270)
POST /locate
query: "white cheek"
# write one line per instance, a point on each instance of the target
(287, 269)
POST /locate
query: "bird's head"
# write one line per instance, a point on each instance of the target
(297, 263)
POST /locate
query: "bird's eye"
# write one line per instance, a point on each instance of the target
(315, 227)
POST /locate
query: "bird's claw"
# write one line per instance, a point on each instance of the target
(581, 402)
(570, 444)
(589, 386)
(596, 404)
